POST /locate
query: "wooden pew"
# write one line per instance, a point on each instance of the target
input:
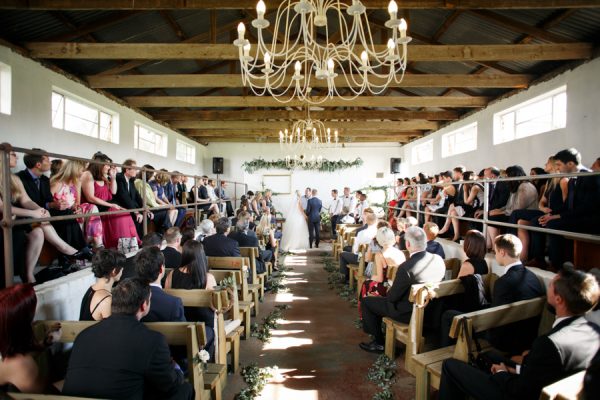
(258, 280)
(428, 367)
(227, 336)
(569, 388)
(189, 334)
(243, 309)
(452, 267)
(241, 264)
(586, 254)
(357, 271)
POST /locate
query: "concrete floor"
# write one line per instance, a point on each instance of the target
(316, 346)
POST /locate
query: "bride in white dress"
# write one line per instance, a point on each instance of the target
(295, 228)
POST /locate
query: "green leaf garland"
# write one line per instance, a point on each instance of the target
(327, 165)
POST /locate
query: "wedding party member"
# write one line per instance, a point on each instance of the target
(219, 245)
(22, 367)
(421, 267)
(335, 211)
(295, 229)
(349, 201)
(431, 230)
(558, 354)
(134, 364)
(313, 212)
(305, 197)
(107, 266)
(162, 218)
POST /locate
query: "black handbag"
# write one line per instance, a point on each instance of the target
(479, 360)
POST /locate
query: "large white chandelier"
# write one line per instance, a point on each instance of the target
(289, 71)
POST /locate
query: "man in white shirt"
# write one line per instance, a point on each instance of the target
(363, 237)
(349, 201)
(335, 209)
(304, 198)
(362, 205)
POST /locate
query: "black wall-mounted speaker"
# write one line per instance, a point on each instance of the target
(217, 165)
(395, 165)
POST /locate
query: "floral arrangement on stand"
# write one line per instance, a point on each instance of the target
(326, 166)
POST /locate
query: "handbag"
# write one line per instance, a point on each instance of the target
(127, 245)
(480, 360)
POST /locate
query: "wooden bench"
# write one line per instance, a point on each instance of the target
(569, 388)
(358, 270)
(189, 334)
(227, 338)
(244, 308)
(248, 295)
(428, 369)
(586, 254)
(258, 280)
(452, 267)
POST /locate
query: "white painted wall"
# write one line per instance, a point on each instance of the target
(583, 119)
(30, 125)
(376, 157)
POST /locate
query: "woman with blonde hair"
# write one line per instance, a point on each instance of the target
(157, 181)
(265, 231)
(257, 204)
(163, 219)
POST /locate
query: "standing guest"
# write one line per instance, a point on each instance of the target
(305, 197)
(150, 268)
(107, 266)
(421, 267)
(134, 364)
(363, 237)
(172, 252)
(156, 181)
(431, 230)
(21, 366)
(335, 210)
(219, 245)
(55, 166)
(127, 195)
(257, 204)
(207, 228)
(162, 220)
(171, 195)
(349, 201)
(98, 185)
(517, 283)
(558, 354)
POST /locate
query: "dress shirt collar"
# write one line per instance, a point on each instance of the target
(156, 285)
(509, 266)
(558, 321)
(33, 175)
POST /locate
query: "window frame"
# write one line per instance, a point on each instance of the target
(453, 134)
(5, 89)
(188, 145)
(164, 137)
(415, 160)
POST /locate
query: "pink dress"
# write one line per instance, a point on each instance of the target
(114, 226)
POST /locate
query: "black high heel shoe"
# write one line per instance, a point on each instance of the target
(84, 254)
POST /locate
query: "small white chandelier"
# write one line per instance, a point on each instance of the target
(357, 62)
(308, 134)
(302, 160)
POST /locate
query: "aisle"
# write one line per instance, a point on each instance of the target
(316, 347)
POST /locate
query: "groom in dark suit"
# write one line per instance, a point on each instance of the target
(313, 212)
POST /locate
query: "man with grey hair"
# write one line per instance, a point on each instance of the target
(421, 267)
(245, 237)
(219, 245)
(207, 228)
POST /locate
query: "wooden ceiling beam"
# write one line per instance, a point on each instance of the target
(98, 25)
(235, 81)
(255, 101)
(251, 133)
(251, 4)
(354, 115)
(260, 139)
(183, 51)
(277, 126)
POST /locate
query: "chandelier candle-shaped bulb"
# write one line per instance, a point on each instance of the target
(241, 30)
(330, 66)
(267, 60)
(364, 57)
(393, 9)
(297, 67)
(247, 50)
(335, 135)
(403, 28)
(391, 46)
(260, 9)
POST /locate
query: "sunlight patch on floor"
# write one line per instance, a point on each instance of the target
(276, 389)
(287, 298)
(286, 322)
(282, 332)
(284, 343)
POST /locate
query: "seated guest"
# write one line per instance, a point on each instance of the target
(363, 237)
(565, 350)
(389, 256)
(151, 239)
(362, 205)
(187, 234)
(444, 197)
(172, 251)
(219, 245)
(203, 197)
(21, 367)
(161, 218)
(207, 228)
(156, 181)
(421, 267)
(580, 214)
(170, 190)
(596, 165)
(127, 195)
(472, 200)
(498, 191)
(247, 238)
(150, 268)
(222, 195)
(107, 266)
(265, 231)
(401, 226)
(474, 247)
(346, 217)
(431, 230)
(193, 274)
(120, 358)
(517, 283)
(55, 166)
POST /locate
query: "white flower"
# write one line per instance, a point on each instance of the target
(203, 355)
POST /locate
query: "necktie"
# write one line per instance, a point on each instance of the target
(571, 194)
(37, 183)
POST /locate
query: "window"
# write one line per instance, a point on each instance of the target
(542, 114)
(460, 141)
(422, 152)
(75, 115)
(5, 89)
(185, 152)
(149, 140)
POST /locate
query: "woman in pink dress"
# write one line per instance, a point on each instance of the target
(98, 185)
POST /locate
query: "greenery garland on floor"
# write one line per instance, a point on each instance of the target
(383, 374)
(256, 378)
(327, 165)
(336, 281)
(270, 322)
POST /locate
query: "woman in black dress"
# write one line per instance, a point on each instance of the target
(107, 266)
(474, 247)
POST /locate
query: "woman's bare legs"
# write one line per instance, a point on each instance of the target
(448, 220)
(52, 237)
(35, 242)
(492, 232)
(172, 216)
(524, 236)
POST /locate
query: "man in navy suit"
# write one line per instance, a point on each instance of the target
(245, 237)
(517, 283)
(313, 211)
(150, 267)
(219, 245)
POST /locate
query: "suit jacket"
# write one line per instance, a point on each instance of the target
(499, 196)
(170, 190)
(517, 284)
(587, 197)
(172, 257)
(247, 239)
(40, 196)
(421, 267)
(435, 248)
(219, 245)
(565, 350)
(127, 197)
(119, 358)
(313, 209)
(164, 307)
